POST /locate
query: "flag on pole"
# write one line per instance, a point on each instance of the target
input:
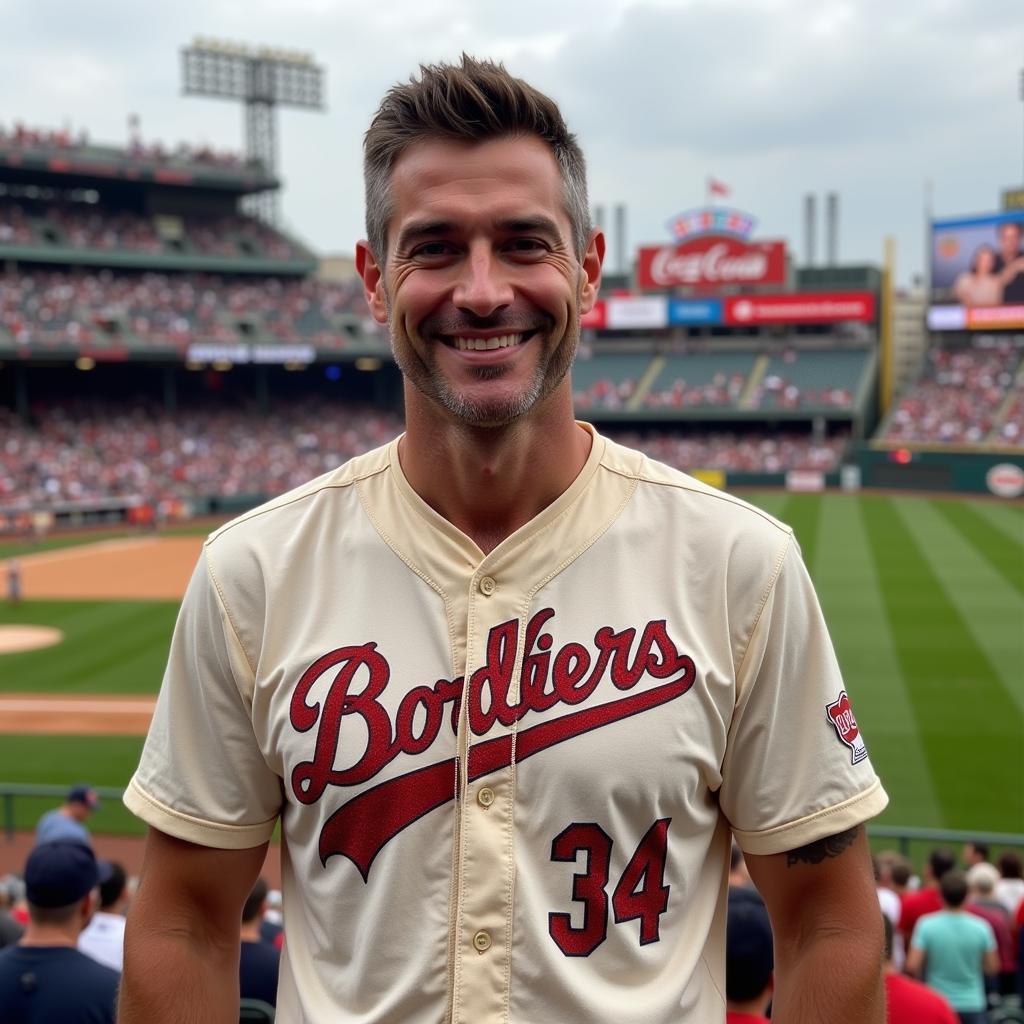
(717, 188)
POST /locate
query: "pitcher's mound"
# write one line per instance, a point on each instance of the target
(14, 639)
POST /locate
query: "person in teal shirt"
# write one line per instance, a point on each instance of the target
(953, 950)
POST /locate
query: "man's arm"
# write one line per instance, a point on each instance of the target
(181, 942)
(828, 931)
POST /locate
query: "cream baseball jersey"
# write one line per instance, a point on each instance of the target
(506, 783)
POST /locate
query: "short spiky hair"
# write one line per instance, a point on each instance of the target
(473, 101)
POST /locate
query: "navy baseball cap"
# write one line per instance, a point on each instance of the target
(84, 794)
(61, 873)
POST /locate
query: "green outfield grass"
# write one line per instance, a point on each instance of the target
(924, 599)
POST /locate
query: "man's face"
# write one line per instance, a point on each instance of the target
(1009, 241)
(482, 290)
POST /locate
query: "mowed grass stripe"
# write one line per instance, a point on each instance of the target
(989, 607)
(995, 547)
(801, 513)
(969, 725)
(65, 760)
(848, 588)
(1007, 519)
(108, 647)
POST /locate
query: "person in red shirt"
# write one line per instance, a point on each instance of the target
(749, 959)
(927, 900)
(908, 1001)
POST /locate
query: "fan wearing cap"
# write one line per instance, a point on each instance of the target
(749, 958)
(67, 822)
(44, 978)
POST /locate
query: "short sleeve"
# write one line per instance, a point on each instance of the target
(202, 776)
(796, 767)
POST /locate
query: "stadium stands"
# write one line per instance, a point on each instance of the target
(61, 309)
(970, 394)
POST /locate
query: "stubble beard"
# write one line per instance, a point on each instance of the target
(427, 377)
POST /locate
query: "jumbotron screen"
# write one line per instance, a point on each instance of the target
(978, 273)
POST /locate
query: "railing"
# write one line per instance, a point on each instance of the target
(10, 791)
(904, 835)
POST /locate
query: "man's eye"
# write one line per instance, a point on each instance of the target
(429, 249)
(526, 245)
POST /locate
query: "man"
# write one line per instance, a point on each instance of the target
(259, 962)
(67, 822)
(927, 899)
(103, 938)
(748, 961)
(981, 901)
(1010, 262)
(908, 1001)
(645, 666)
(953, 951)
(10, 930)
(975, 852)
(44, 978)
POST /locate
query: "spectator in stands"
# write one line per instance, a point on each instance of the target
(890, 904)
(975, 852)
(749, 961)
(10, 930)
(927, 899)
(980, 285)
(67, 822)
(739, 877)
(44, 978)
(1010, 887)
(259, 962)
(981, 884)
(908, 1001)
(954, 951)
(1011, 261)
(103, 937)
(901, 872)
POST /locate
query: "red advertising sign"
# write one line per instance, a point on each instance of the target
(800, 308)
(712, 261)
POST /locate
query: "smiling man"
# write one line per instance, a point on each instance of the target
(510, 688)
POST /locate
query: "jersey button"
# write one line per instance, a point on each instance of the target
(487, 586)
(482, 942)
(485, 796)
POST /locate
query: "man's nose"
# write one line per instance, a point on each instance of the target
(483, 286)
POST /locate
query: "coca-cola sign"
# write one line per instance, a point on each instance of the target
(712, 261)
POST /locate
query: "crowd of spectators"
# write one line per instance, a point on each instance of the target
(86, 451)
(26, 137)
(954, 934)
(749, 452)
(960, 398)
(89, 226)
(56, 308)
(721, 391)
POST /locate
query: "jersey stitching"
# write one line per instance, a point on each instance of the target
(772, 580)
(825, 812)
(285, 502)
(202, 822)
(231, 622)
(684, 486)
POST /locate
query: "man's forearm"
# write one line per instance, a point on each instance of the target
(835, 977)
(170, 976)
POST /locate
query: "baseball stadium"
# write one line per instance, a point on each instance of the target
(171, 357)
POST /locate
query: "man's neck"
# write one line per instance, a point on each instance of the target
(490, 482)
(251, 931)
(49, 935)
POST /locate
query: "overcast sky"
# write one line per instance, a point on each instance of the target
(776, 98)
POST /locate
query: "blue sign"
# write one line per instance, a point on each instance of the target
(694, 312)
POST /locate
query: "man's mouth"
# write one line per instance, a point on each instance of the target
(465, 344)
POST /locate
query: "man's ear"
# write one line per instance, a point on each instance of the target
(590, 269)
(373, 281)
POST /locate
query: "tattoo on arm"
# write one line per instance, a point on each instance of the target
(830, 846)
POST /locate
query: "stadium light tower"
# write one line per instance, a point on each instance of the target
(262, 78)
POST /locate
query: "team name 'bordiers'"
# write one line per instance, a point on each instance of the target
(567, 676)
